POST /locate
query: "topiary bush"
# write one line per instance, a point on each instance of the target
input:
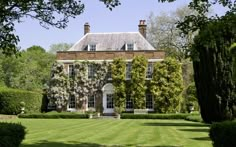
(194, 118)
(11, 134)
(223, 134)
(11, 99)
(65, 115)
(154, 116)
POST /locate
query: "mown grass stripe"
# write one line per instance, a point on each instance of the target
(61, 132)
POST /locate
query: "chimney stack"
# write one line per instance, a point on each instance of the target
(142, 27)
(86, 28)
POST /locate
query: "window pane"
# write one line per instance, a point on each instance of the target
(109, 74)
(110, 101)
(149, 70)
(129, 102)
(130, 47)
(128, 70)
(91, 71)
(72, 101)
(71, 71)
(149, 101)
(91, 101)
(92, 47)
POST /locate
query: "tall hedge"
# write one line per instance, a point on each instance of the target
(138, 79)
(118, 81)
(10, 100)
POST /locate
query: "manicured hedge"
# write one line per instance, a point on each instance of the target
(55, 115)
(10, 101)
(11, 134)
(223, 134)
(194, 118)
(154, 116)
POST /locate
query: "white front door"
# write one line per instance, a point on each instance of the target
(108, 98)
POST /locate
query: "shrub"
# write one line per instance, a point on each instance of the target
(154, 116)
(53, 115)
(11, 134)
(223, 134)
(195, 118)
(11, 99)
(166, 85)
(138, 81)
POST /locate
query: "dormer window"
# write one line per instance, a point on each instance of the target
(129, 46)
(92, 47)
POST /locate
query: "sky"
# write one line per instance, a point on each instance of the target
(124, 18)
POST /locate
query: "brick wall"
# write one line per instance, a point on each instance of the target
(107, 55)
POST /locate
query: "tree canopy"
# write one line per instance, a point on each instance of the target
(55, 13)
(29, 71)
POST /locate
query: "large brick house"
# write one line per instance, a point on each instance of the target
(98, 47)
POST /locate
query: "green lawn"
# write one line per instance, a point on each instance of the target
(112, 132)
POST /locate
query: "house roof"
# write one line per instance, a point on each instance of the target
(112, 41)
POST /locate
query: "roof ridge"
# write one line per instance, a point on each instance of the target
(114, 33)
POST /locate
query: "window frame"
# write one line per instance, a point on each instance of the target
(92, 47)
(128, 70)
(129, 102)
(71, 71)
(129, 46)
(110, 105)
(73, 103)
(147, 103)
(91, 102)
(91, 71)
(149, 73)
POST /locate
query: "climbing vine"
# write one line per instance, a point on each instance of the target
(118, 81)
(79, 85)
(58, 90)
(138, 79)
(167, 85)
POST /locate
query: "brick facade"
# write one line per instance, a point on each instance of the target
(108, 55)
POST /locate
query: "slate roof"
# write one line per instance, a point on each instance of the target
(112, 41)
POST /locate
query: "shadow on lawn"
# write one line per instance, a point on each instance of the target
(195, 130)
(202, 138)
(45, 143)
(176, 124)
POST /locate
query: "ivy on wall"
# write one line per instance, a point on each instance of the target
(167, 85)
(118, 81)
(138, 79)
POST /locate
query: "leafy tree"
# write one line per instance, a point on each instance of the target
(213, 68)
(167, 85)
(29, 71)
(138, 81)
(54, 13)
(162, 32)
(211, 59)
(59, 47)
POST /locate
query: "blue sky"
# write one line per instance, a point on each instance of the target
(123, 18)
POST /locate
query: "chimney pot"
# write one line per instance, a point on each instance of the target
(86, 28)
(142, 28)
